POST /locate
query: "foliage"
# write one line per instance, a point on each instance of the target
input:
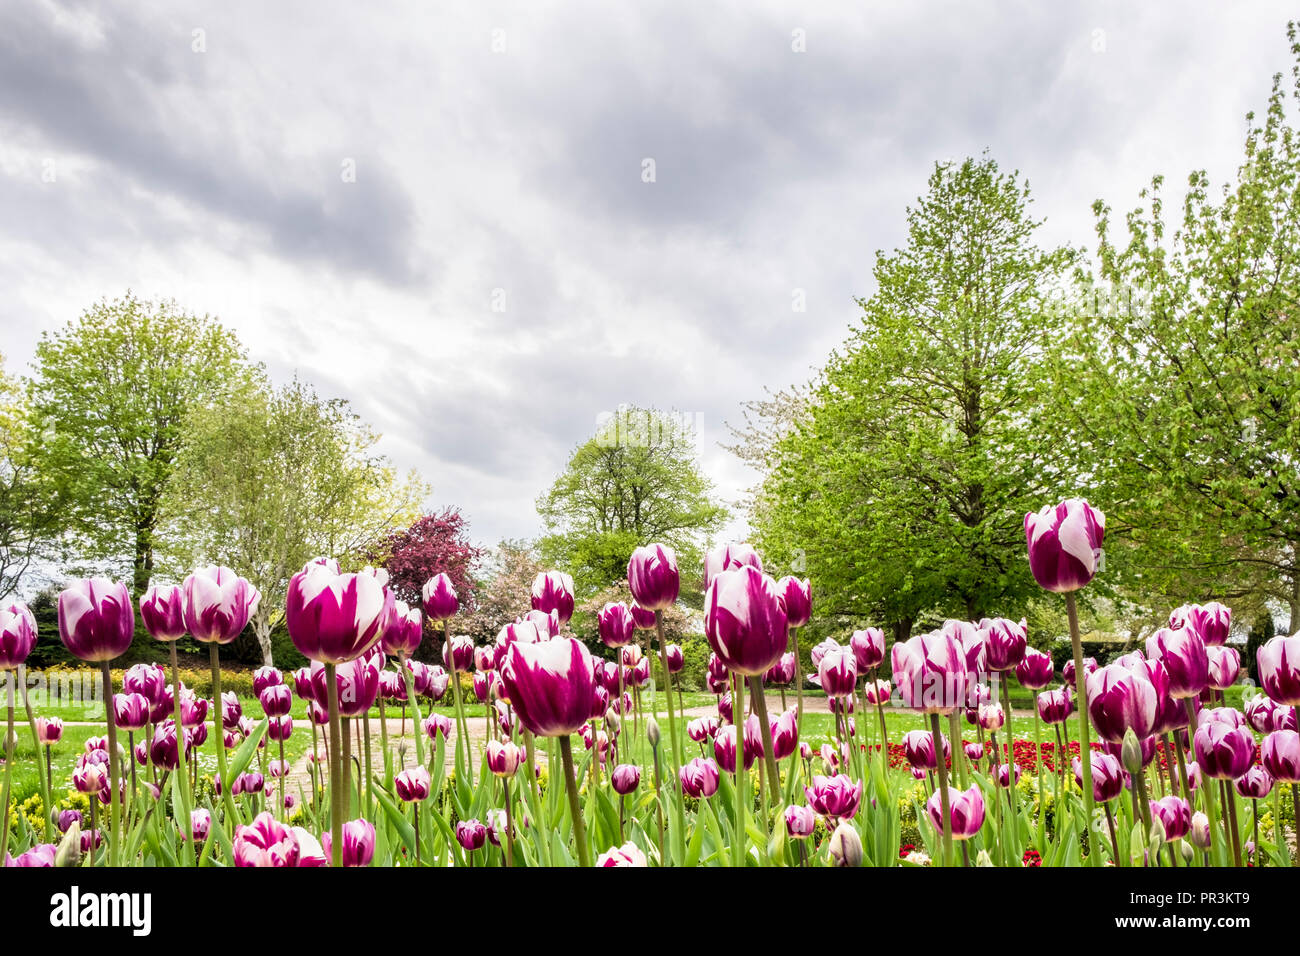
(903, 489)
(434, 544)
(111, 397)
(501, 591)
(29, 505)
(273, 479)
(1182, 386)
(636, 481)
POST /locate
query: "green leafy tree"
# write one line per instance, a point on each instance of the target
(1181, 380)
(902, 488)
(636, 481)
(273, 479)
(29, 505)
(111, 394)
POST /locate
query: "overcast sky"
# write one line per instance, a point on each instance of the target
(439, 211)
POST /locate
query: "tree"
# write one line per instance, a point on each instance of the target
(433, 544)
(636, 481)
(904, 486)
(273, 479)
(502, 591)
(29, 505)
(1181, 384)
(111, 394)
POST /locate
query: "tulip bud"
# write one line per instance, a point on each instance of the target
(982, 858)
(1131, 752)
(652, 732)
(69, 851)
(1200, 830)
(846, 845)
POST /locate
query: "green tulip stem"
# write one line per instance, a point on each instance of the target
(676, 761)
(958, 751)
(43, 777)
(1081, 702)
(944, 809)
(1114, 843)
(336, 769)
(1230, 798)
(792, 637)
(738, 724)
(571, 785)
(113, 771)
(9, 772)
(764, 728)
(415, 706)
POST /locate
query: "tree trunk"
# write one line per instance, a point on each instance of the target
(1294, 624)
(903, 629)
(262, 630)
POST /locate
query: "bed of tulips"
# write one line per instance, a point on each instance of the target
(587, 761)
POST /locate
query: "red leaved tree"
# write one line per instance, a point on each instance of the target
(435, 544)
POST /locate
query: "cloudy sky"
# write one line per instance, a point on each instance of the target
(441, 213)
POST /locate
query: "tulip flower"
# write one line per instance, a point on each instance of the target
(200, 825)
(1108, 776)
(868, 648)
(1279, 669)
(471, 834)
(724, 745)
(974, 750)
(49, 730)
(965, 812)
(458, 654)
(629, 854)
(1004, 775)
(1174, 815)
(162, 610)
(265, 677)
(1223, 752)
(625, 778)
(819, 651)
(1225, 666)
(551, 685)
(265, 842)
(1035, 671)
(652, 577)
(356, 682)
(675, 658)
(438, 598)
(131, 711)
(96, 619)
(333, 618)
(503, 759)
(1259, 712)
(845, 846)
(800, 821)
(918, 749)
(796, 599)
(276, 700)
(148, 680)
(17, 635)
(702, 728)
(838, 672)
(744, 622)
(1119, 699)
(358, 843)
(403, 632)
(41, 856)
(877, 692)
(700, 776)
(553, 591)
(1183, 654)
(930, 673)
(836, 798)
(1280, 755)
(1065, 544)
(248, 783)
(729, 556)
(785, 734)
(1212, 621)
(1004, 643)
(218, 604)
(990, 716)
(1256, 783)
(643, 618)
(615, 624)
(436, 725)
